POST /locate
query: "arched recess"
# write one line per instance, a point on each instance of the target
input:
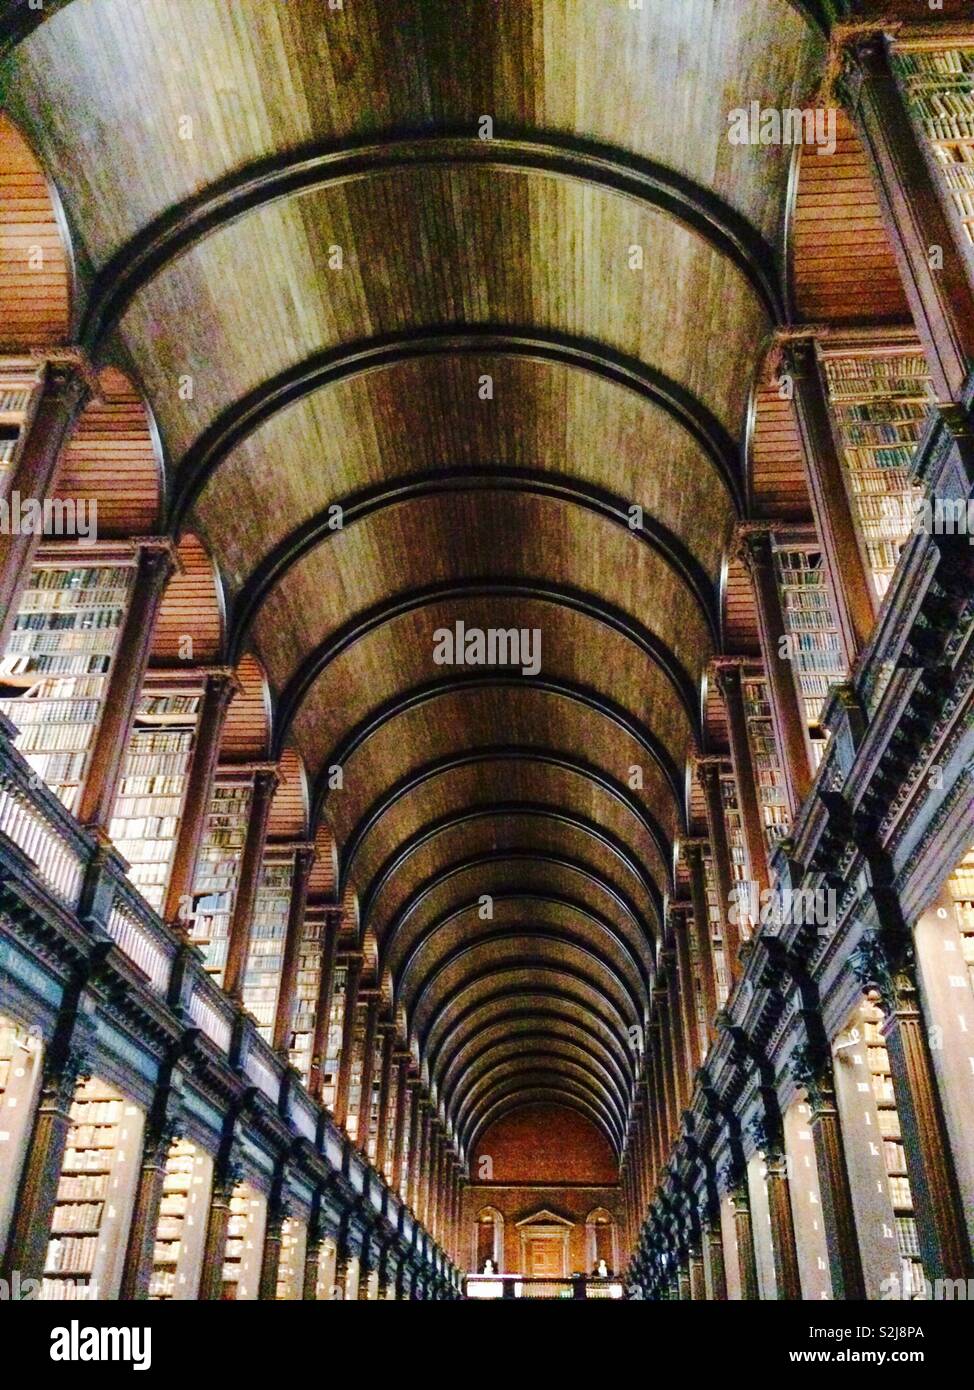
(113, 461)
(323, 879)
(288, 819)
(506, 1013)
(37, 280)
(583, 414)
(601, 1240)
(491, 915)
(247, 727)
(446, 483)
(546, 758)
(189, 628)
(488, 1241)
(516, 1073)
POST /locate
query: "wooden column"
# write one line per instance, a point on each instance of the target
(708, 771)
(353, 976)
(385, 1086)
(154, 567)
(942, 1229)
(137, 1270)
(688, 999)
(668, 1087)
(368, 1071)
(401, 1125)
(30, 1230)
(727, 673)
(838, 1216)
(66, 387)
(783, 1245)
(850, 584)
(251, 860)
(326, 988)
(692, 851)
(681, 1076)
(304, 858)
(913, 204)
(657, 1099)
(431, 1218)
(217, 1224)
(713, 1251)
(745, 1241)
(220, 688)
(271, 1260)
(698, 1290)
(788, 718)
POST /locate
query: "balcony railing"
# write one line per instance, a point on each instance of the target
(487, 1286)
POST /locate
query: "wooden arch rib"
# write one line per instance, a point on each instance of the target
(547, 1062)
(557, 817)
(293, 173)
(361, 624)
(533, 836)
(545, 757)
(319, 530)
(524, 863)
(323, 879)
(474, 1055)
(349, 360)
(37, 267)
(114, 459)
(505, 899)
(585, 1013)
(525, 1091)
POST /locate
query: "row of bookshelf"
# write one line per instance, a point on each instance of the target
(817, 661)
(939, 88)
(262, 977)
(215, 885)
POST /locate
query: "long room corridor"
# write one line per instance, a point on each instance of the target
(486, 571)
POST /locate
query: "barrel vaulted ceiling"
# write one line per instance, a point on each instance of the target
(294, 209)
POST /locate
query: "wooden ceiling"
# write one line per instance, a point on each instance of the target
(406, 376)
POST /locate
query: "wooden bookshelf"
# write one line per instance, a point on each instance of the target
(54, 672)
(290, 1270)
(215, 884)
(244, 1248)
(177, 1257)
(371, 1107)
(306, 994)
(699, 998)
(262, 977)
(939, 86)
(818, 661)
(19, 381)
(879, 404)
(354, 1111)
(149, 805)
(961, 889)
(336, 1024)
(771, 788)
(99, 1173)
(716, 937)
(894, 1156)
(391, 1121)
(737, 844)
(20, 1075)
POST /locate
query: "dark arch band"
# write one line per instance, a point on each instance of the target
(368, 502)
(525, 753)
(319, 166)
(503, 932)
(348, 360)
(578, 601)
(502, 856)
(509, 808)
